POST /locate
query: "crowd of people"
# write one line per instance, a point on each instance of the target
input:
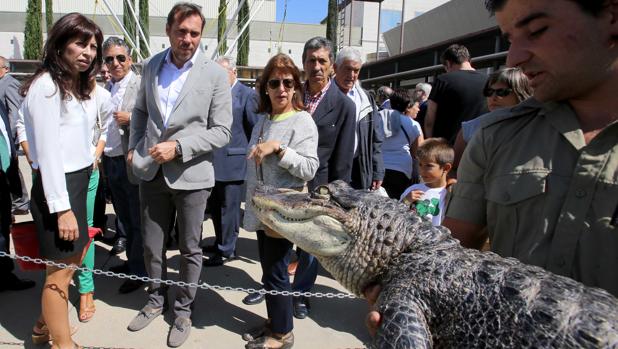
(536, 178)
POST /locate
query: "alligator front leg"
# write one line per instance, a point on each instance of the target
(403, 326)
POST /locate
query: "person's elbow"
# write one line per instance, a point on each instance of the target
(470, 235)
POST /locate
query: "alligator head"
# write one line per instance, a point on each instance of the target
(355, 234)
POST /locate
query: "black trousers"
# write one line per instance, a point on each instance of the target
(274, 258)
(395, 183)
(224, 205)
(6, 264)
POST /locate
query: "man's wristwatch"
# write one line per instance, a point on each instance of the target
(178, 149)
(282, 148)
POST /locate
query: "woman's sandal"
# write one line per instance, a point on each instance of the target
(272, 341)
(85, 312)
(41, 335)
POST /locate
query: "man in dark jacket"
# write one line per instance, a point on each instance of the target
(335, 117)
(230, 167)
(368, 165)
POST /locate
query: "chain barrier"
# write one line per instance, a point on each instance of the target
(203, 285)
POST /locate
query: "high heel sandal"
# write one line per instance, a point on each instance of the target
(85, 312)
(41, 335)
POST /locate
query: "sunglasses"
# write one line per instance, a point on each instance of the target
(500, 92)
(119, 58)
(275, 83)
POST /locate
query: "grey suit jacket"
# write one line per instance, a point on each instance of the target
(200, 121)
(10, 99)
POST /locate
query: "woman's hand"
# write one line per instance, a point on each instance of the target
(262, 150)
(67, 226)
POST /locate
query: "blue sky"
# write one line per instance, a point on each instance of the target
(302, 11)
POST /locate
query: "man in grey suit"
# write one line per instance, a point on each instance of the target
(11, 99)
(182, 113)
(123, 185)
(230, 163)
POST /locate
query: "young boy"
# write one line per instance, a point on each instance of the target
(435, 158)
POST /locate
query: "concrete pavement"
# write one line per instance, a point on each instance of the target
(219, 318)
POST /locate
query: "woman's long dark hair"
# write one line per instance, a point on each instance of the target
(69, 27)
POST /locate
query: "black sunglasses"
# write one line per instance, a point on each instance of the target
(500, 92)
(119, 58)
(275, 83)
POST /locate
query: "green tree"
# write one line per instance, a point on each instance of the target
(242, 56)
(129, 24)
(222, 26)
(331, 23)
(49, 14)
(33, 34)
(144, 14)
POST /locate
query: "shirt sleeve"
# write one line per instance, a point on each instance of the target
(20, 127)
(301, 156)
(106, 108)
(468, 198)
(44, 108)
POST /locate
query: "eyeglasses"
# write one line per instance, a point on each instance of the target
(119, 58)
(500, 92)
(275, 83)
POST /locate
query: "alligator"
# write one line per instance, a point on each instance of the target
(435, 293)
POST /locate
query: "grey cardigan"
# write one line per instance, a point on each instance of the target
(297, 166)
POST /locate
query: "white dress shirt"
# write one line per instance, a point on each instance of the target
(171, 81)
(59, 133)
(113, 146)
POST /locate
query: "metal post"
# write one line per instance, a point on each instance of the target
(124, 31)
(403, 10)
(139, 29)
(227, 31)
(351, 19)
(244, 27)
(378, 38)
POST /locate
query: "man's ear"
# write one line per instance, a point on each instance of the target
(167, 30)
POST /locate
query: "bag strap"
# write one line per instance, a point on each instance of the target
(259, 171)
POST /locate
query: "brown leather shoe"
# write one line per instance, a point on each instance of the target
(292, 268)
(272, 341)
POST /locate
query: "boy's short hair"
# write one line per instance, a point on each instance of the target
(437, 150)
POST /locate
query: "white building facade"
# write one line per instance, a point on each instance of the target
(268, 36)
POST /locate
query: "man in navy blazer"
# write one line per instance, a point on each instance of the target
(230, 165)
(335, 117)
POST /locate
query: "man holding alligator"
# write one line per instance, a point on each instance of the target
(543, 176)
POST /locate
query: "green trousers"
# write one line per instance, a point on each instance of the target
(85, 280)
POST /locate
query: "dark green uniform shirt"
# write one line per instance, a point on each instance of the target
(545, 196)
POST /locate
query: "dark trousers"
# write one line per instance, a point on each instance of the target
(21, 201)
(125, 198)
(395, 182)
(274, 258)
(224, 205)
(6, 264)
(157, 202)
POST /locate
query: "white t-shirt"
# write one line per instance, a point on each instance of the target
(431, 205)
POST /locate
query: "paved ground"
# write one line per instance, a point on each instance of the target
(218, 318)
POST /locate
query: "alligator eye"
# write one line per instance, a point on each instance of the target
(321, 192)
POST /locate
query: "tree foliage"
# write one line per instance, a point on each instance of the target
(242, 56)
(331, 23)
(49, 14)
(222, 26)
(129, 24)
(33, 33)
(144, 14)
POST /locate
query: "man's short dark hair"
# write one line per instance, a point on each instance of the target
(184, 10)
(593, 7)
(456, 54)
(113, 41)
(319, 42)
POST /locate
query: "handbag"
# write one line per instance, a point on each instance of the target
(26, 242)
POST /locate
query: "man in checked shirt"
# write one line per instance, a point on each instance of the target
(335, 116)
